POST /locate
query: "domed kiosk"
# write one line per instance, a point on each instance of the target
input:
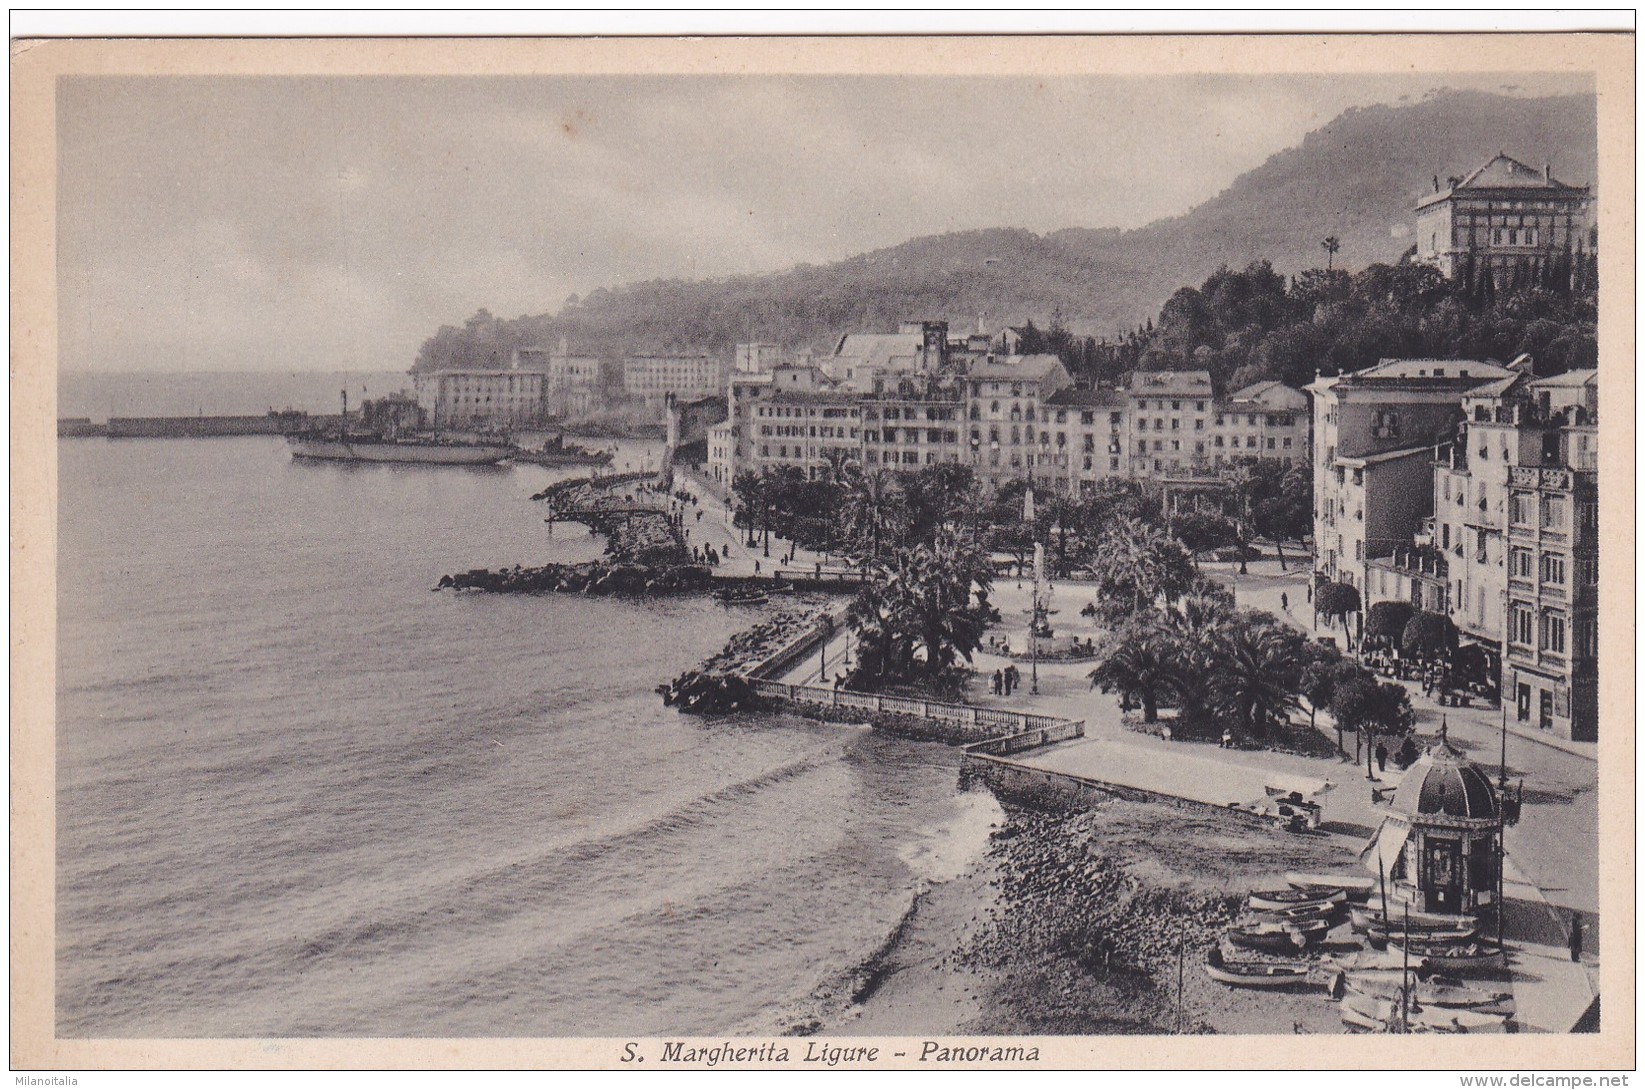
(1439, 846)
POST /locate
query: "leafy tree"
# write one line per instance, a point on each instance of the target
(1428, 636)
(1387, 620)
(1335, 601)
(1202, 531)
(875, 512)
(1287, 512)
(937, 496)
(1372, 708)
(1137, 565)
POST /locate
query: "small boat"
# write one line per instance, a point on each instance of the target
(745, 598)
(1378, 936)
(1357, 887)
(1391, 1016)
(1436, 991)
(1289, 898)
(1450, 957)
(1365, 917)
(1255, 974)
(1313, 910)
(1279, 938)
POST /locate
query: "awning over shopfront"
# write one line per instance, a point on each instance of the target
(1381, 853)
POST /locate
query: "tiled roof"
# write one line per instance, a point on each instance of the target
(1166, 383)
(1020, 368)
(1587, 376)
(892, 351)
(1505, 172)
(1087, 399)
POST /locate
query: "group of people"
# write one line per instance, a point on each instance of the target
(705, 554)
(1006, 680)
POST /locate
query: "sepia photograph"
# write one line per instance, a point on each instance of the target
(760, 554)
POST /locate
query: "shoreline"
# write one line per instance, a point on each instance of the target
(1071, 924)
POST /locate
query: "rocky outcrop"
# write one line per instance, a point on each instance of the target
(597, 577)
(721, 683)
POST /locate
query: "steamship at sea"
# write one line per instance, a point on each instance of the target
(391, 444)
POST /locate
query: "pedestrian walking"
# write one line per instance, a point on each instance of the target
(756, 567)
(1382, 757)
(819, 569)
(1284, 602)
(999, 683)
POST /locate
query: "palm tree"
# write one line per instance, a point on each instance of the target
(1141, 562)
(1140, 661)
(931, 598)
(1255, 676)
(1331, 245)
(1241, 480)
(873, 511)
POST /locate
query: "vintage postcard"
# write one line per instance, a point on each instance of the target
(823, 553)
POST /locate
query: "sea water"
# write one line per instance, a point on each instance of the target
(300, 793)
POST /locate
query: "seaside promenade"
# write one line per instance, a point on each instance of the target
(1551, 873)
(1546, 882)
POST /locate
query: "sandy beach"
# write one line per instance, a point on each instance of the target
(1071, 924)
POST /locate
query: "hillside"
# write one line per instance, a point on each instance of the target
(1356, 178)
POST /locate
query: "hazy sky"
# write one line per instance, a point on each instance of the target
(327, 224)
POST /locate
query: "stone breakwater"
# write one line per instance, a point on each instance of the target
(721, 683)
(597, 577)
(623, 508)
(645, 556)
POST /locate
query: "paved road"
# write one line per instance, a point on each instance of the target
(1556, 842)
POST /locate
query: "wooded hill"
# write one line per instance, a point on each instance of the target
(1355, 179)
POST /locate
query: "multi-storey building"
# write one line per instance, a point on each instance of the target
(1007, 403)
(720, 444)
(1373, 439)
(1550, 642)
(913, 422)
(1510, 549)
(1266, 420)
(576, 384)
(1502, 215)
(924, 400)
(743, 392)
(861, 360)
(1088, 437)
(476, 398)
(651, 378)
(1172, 415)
(805, 429)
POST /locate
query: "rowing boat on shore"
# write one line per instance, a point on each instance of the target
(1355, 886)
(1255, 974)
(1379, 935)
(1364, 917)
(1450, 957)
(1436, 991)
(1280, 937)
(1275, 899)
(1364, 1012)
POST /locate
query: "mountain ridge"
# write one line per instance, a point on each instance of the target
(1355, 178)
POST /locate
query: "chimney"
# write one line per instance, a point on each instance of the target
(1547, 172)
(1436, 183)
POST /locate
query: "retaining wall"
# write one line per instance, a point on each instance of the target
(1044, 789)
(933, 720)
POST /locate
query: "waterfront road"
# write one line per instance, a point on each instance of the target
(1556, 842)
